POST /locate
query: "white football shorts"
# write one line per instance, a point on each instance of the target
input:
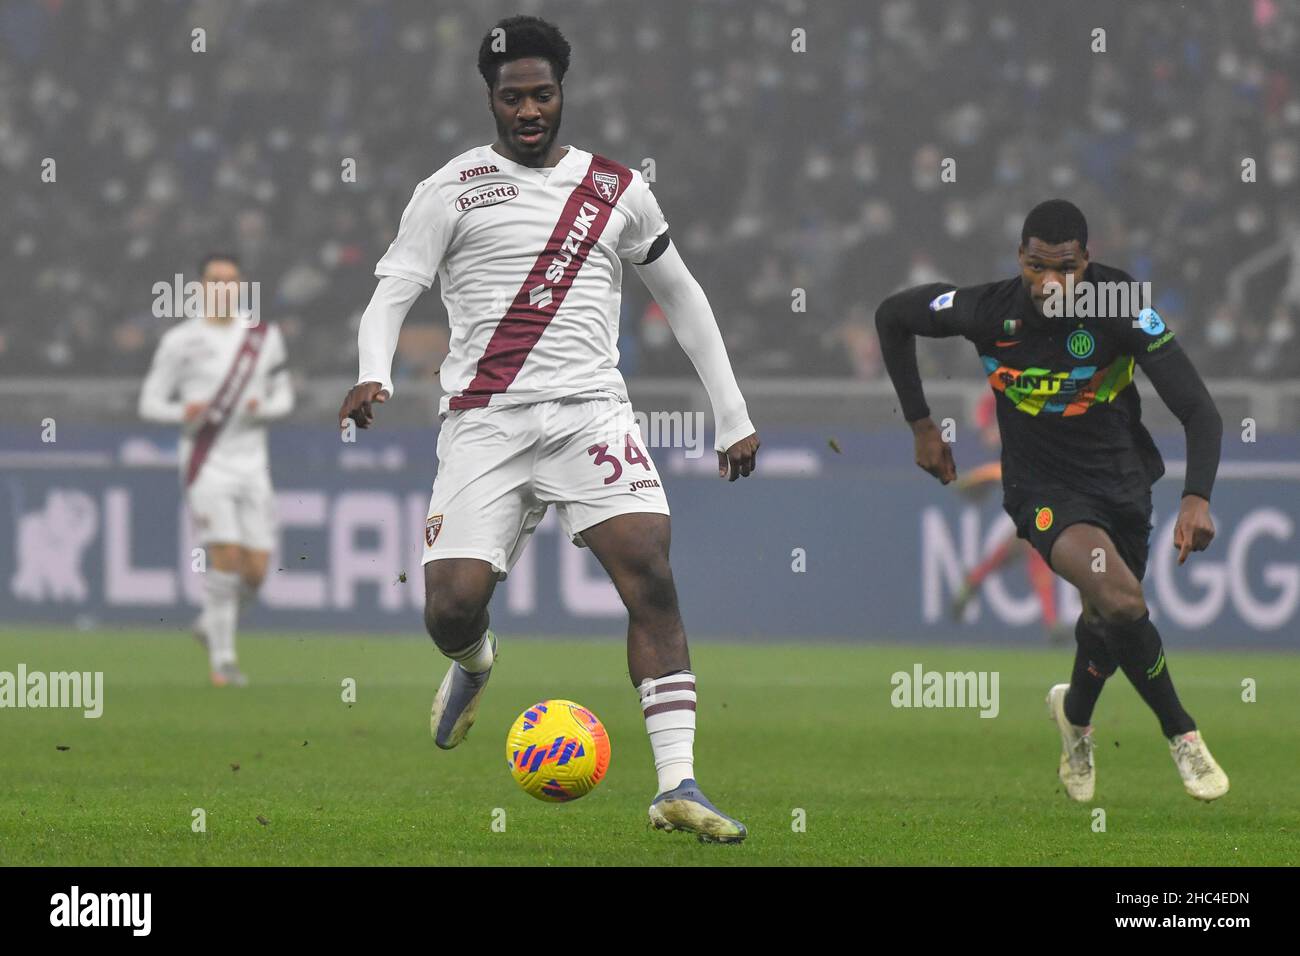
(222, 513)
(500, 467)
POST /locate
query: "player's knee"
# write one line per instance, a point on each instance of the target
(450, 617)
(652, 590)
(1123, 605)
(1091, 617)
(223, 557)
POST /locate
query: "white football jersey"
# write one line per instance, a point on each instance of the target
(528, 261)
(190, 365)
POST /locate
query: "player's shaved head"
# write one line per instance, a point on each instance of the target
(1055, 222)
(517, 38)
(1053, 248)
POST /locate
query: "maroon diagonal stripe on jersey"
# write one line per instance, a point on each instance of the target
(585, 215)
(223, 403)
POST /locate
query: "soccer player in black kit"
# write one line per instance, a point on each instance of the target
(1077, 463)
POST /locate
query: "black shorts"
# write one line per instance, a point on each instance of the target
(1042, 514)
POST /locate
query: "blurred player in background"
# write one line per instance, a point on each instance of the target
(1077, 463)
(222, 377)
(975, 485)
(527, 238)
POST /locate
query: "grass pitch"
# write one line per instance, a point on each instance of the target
(287, 773)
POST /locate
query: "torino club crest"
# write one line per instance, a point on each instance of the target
(607, 185)
(431, 528)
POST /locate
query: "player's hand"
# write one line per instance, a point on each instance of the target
(740, 459)
(194, 410)
(933, 453)
(356, 405)
(1194, 529)
(251, 406)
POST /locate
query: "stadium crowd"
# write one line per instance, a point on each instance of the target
(778, 170)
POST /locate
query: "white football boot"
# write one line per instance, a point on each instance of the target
(1202, 777)
(686, 809)
(1076, 771)
(456, 704)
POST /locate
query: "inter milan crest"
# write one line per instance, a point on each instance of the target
(1081, 343)
(607, 185)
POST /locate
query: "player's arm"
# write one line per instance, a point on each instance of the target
(1181, 388)
(381, 324)
(279, 383)
(157, 403)
(933, 311)
(691, 318)
(405, 271)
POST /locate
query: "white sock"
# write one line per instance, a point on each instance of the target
(478, 656)
(668, 704)
(221, 611)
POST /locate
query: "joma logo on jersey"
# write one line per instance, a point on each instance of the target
(582, 224)
(477, 171)
(486, 194)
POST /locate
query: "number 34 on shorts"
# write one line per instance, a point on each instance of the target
(500, 468)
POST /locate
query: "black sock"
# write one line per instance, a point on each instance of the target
(1093, 663)
(1136, 645)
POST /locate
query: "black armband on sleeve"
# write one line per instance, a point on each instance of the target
(656, 249)
(899, 319)
(1181, 388)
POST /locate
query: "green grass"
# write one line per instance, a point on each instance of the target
(780, 728)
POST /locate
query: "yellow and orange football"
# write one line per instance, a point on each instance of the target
(557, 751)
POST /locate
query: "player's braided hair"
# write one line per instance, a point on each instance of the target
(524, 37)
(1055, 221)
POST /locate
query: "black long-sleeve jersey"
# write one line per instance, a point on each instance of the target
(1068, 409)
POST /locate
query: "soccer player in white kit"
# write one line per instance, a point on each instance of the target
(527, 239)
(222, 377)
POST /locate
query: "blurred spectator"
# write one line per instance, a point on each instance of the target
(778, 170)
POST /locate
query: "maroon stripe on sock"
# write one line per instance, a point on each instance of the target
(665, 688)
(671, 705)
